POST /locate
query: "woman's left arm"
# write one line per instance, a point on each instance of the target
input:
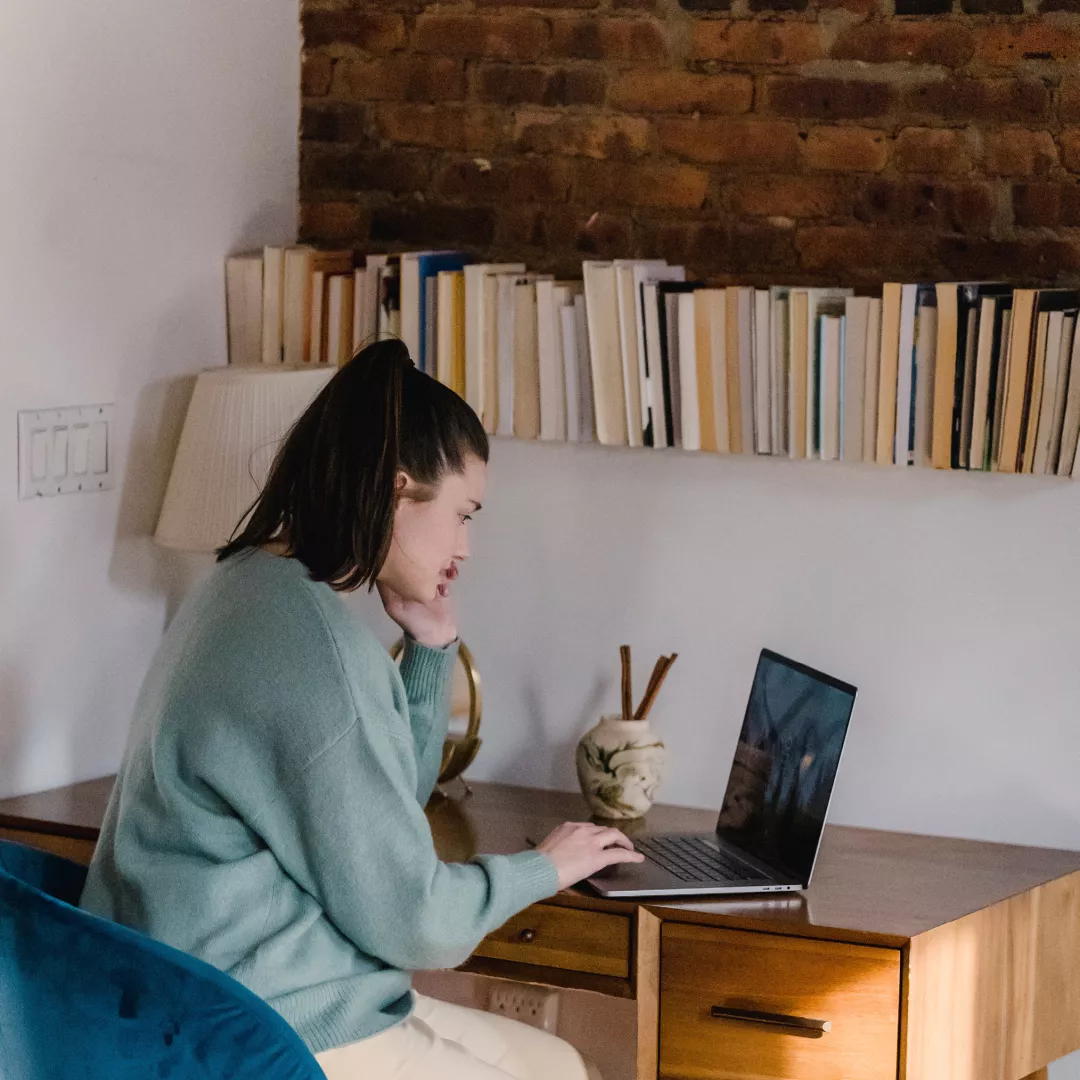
(426, 672)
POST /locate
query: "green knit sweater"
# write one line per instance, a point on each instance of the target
(268, 815)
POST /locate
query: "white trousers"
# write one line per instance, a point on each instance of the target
(451, 1042)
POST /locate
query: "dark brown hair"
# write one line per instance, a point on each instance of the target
(330, 495)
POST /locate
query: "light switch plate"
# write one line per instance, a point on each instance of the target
(64, 451)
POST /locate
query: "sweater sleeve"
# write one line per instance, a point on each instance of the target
(350, 831)
(426, 673)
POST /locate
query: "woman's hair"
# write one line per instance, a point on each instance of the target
(330, 495)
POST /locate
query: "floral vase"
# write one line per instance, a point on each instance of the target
(619, 763)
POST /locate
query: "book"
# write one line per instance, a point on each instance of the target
(628, 275)
(552, 371)
(450, 331)
(688, 371)
(965, 392)
(925, 349)
(668, 293)
(856, 316)
(799, 355)
(339, 319)
(1068, 332)
(997, 381)
(891, 299)
(831, 337)
(1055, 321)
(419, 271)
(296, 306)
(716, 299)
(649, 272)
(988, 326)
(273, 305)
(1033, 404)
(903, 445)
(1070, 432)
(605, 354)
(705, 340)
(870, 383)
(317, 339)
(1016, 384)
(526, 362)
(568, 328)
(244, 307)
(505, 337)
(779, 340)
(366, 300)
(819, 302)
(479, 321)
(761, 363)
(587, 410)
(653, 401)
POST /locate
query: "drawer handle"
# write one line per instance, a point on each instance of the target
(803, 1025)
(528, 935)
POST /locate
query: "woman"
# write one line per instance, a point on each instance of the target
(268, 816)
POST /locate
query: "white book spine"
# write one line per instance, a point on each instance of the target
(1048, 408)
(925, 352)
(360, 331)
(273, 310)
(474, 345)
(870, 383)
(568, 322)
(654, 383)
(746, 367)
(410, 307)
(505, 364)
(778, 376)
(688, 381)
(762, 356)
(586, 411)
(545, 348)
(718, 350)
(831, 339)
(1068, 329)
(856, 313)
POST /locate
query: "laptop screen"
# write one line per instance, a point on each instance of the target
(785, 764)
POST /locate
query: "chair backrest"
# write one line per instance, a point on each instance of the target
(84, 997)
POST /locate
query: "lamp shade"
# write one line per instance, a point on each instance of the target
(233, 428)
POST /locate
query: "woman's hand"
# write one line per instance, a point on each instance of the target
(579, 849)
(432, 623)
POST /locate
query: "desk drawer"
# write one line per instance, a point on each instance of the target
(710, 979)
(568, 938)
(80, 851)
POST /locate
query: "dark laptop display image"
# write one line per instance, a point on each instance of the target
(770, 824)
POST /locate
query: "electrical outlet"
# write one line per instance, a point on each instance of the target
(536, 1006)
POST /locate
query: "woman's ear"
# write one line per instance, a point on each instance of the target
(401, 482)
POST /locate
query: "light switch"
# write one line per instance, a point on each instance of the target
(39, 454)
(58, 459)
(80, 449)
(99, 443)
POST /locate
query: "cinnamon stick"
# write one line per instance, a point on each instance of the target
(627, 693)
(654, 686)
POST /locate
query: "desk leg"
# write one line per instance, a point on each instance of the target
(647, 994)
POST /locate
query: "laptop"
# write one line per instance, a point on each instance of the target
(773, 814)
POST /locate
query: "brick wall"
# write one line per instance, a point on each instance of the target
(753, 140)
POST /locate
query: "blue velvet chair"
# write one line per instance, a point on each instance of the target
(82, 998)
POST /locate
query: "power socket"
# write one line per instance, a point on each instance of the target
(536, 1006)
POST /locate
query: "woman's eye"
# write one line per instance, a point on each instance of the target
(466, 517)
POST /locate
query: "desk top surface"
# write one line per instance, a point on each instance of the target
(869, 885)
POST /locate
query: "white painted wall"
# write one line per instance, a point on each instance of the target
(142, 141)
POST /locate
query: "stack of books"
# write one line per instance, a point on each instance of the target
(969, 375)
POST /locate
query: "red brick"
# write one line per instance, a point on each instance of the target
(1070, 149)
(538, 3)
(753, 41)
(961, 207)
(792, 196)
(401, 77)
(681, 91)
(1069, 101)
(432, 223)
(337, 222)
(316, 73)
(712, 249)
(514, 36)
(942, 151)
(846, 149)
(516, 84)
(332, 168)
(884, 251)
(1004, 44)
(524, 180)
(825, 99)
(334, 123)
(1036, 260)
(611, 183)
(372, 31)
(1000, 100)
(641, 41)
(446, 127)
(525, 225)
(753, 145)
(591, 136)
(1046, 205)
(604, 235)
(946, 41)
(859, 7)
(1019, 152)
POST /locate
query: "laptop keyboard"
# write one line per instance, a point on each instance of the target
(690, 858)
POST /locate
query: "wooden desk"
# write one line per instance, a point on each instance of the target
(930, 959)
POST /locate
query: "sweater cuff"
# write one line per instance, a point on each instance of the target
(535, 876)
(426, 670)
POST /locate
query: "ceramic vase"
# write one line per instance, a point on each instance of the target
(619, 764)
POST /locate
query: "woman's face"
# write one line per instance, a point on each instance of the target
(431, 531)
